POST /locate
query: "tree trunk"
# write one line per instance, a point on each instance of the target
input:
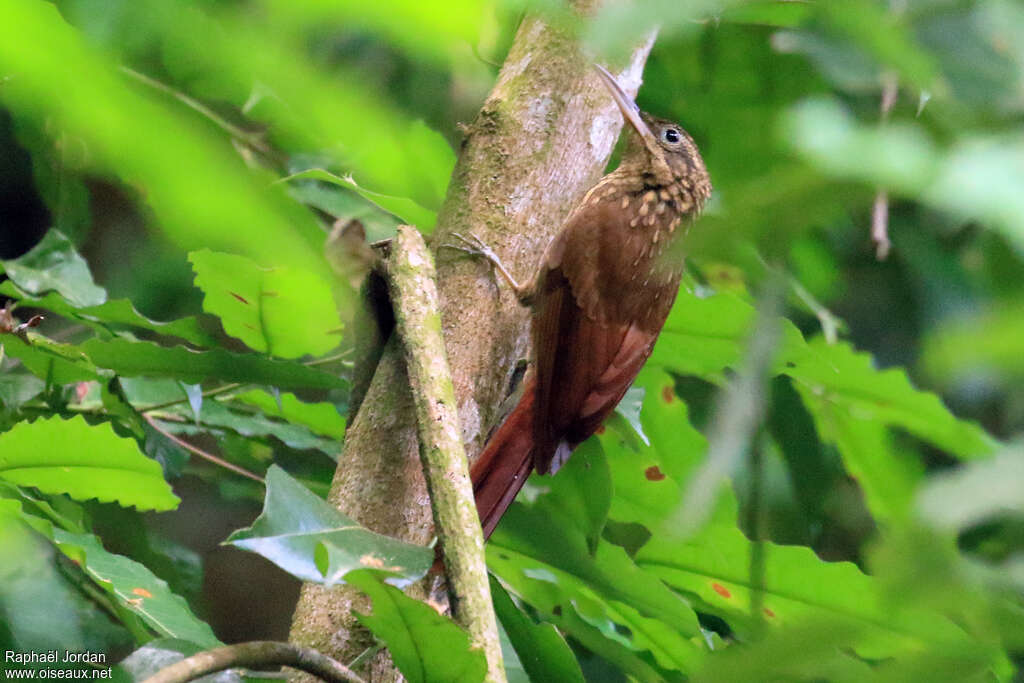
(541, 139)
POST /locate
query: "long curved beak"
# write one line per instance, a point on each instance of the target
(627, 106)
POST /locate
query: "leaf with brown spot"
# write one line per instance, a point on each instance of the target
(654, 473)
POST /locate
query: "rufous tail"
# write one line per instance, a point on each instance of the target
(503, 466)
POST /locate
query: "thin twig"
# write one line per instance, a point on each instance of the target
(256, 654)
(880, 209)
(418, 323)
(201, 453)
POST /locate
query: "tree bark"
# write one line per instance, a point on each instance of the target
(541, 139)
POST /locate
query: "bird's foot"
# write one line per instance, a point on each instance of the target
(473, 245)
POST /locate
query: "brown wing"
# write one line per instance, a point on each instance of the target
(599, 310)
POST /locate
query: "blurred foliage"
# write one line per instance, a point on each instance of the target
(189, 162)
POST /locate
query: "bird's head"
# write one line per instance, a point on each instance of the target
(659, 146)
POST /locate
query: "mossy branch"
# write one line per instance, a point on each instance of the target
(418, 318)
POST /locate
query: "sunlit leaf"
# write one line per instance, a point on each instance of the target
(285, 312)
(418, 28)
(84, 461)
(834, 377)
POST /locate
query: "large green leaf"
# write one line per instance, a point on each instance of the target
(136, 588)
(714, 567)
(426, 647)
(53, 265)
(542, 650)
(285, 312)
(647, 647)
(833, 378)
(308, 538)
(111, 315)
(853, 404)
(84, 461)
(134, 359)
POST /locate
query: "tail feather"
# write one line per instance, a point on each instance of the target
(503, 466)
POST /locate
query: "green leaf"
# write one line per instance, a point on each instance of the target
(134, 358)
(285, 312)
(50, 361)
(714, 568)
(322, 418)
(647, 479)
(54, 265)
(345, 204)
(84, 461)
(112, 315)
(626, 604)
(136, 588)
(426, 647)
(835, 379)
(605, 620)
(295, 522)
(542, 650)
(425, 34)
(808, 651)
(403, 207)
(216, 414)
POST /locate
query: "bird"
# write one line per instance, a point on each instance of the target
(599, 300)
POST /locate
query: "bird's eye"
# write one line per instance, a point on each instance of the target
(670, 135)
